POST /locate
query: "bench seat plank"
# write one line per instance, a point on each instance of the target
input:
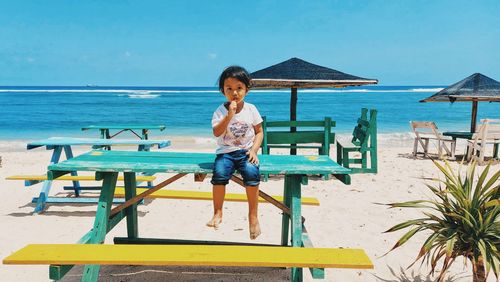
(201, 195)
(202, 255)
(73, 178)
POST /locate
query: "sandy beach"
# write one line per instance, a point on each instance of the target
(348, 217)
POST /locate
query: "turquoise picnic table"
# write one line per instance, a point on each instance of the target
(105, 129)
(107, 165)
(58, 144)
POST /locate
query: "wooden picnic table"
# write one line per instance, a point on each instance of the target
(107, 165)
(106, 128)
(58, 144)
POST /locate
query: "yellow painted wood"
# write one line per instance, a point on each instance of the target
(200, 195)
(73, 178)
(209, 255)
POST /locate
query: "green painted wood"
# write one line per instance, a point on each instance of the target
(155, 162)
(303, 137)
(296, 123)
(131, 212)
(71, 141)
(279, 134)
(296, 219)
(91, 272)
(459, 134)
(161, 241)
(44, 193)
(364, 141)
(316, 273)
(105, 129)
(285, 218)
(125, 126)
(57, 272)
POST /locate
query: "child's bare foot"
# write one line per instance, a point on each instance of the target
(215, 221)
(254, 230)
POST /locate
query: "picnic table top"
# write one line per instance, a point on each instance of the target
(125, 126)
(459, 134)
(175, 162)
(70, 141)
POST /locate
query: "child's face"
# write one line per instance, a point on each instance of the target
(234, 90)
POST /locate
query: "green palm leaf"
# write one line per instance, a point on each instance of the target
(462, 218)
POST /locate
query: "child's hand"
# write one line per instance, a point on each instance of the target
(232, 108)
(252, 157)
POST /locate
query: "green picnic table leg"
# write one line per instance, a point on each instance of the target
(76, 183)
(131, 212)
(47, 184)
(296, 218)
(285, 219)
(91, 272)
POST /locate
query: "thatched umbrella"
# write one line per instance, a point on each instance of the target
(475, 88)
(296, 73)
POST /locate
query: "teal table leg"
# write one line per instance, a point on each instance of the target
(146, 148)
(76, 184)
(131, 212)
(296, 219)
(98, 232)
(285, 219)
(47, 184)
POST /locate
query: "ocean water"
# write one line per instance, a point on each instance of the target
(39, 112)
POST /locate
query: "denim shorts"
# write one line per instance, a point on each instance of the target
(226, 164)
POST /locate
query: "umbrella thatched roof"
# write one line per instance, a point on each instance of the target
(297, 73)
(476, 87)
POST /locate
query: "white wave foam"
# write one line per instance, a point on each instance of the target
(143, 96)
(426, 89)
(159, 92)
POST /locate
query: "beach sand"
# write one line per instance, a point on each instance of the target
(348, 217)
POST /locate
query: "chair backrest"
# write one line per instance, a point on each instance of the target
(278, 132)
(425, 128)
(488, 131)
(365, 130)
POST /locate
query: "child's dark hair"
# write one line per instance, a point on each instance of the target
(237, 72)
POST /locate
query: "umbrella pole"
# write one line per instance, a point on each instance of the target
(473, 120)
(293, 115)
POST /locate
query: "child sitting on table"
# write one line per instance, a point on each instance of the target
(238, 128)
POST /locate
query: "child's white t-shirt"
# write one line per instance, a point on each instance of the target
(239, 133)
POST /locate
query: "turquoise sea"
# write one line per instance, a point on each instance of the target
(39, 112)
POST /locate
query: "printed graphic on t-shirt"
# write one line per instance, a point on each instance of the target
(236, 134)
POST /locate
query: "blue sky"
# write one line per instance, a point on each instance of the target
(188, 43)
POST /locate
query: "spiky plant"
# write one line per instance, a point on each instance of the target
(462, 220)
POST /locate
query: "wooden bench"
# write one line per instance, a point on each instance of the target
(279, 134)
(200, 195)
(189, 255)
(364, 141)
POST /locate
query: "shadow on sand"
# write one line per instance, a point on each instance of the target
(183, 273)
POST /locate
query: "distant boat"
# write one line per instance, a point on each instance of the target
(91, 85)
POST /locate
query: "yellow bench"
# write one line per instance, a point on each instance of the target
(205, 255)
(200, 195)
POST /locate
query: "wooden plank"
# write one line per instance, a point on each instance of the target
(201, 195)
(125, 126)
(208, 255)
(71, 141)
(154, 162)
(73, 178)
(283, 137)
